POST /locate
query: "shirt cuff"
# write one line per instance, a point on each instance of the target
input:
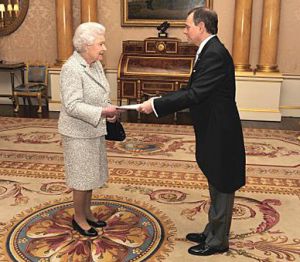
(152, 104)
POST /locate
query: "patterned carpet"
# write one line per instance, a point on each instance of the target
(154, 197)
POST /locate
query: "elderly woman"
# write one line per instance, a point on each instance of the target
(82, 122)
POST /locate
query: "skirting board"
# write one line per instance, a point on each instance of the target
(259, 115)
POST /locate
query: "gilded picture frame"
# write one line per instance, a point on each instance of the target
(10, 21)
(154, 12)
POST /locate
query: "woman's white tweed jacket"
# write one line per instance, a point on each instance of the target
(84, 92)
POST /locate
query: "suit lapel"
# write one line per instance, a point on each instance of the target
(87, 72)
(84, 66)
(196, 65)
(215, 38)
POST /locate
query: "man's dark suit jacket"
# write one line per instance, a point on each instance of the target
(210, 96)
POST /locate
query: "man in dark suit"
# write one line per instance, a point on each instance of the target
(220, 152)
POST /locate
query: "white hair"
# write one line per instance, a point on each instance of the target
(85, 34)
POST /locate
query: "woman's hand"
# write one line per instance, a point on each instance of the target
(109, 111)
(112, 119)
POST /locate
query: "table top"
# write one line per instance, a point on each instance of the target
(11, 65)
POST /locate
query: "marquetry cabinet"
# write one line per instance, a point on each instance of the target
(153, 67)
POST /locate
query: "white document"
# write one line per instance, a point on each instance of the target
(129, 107)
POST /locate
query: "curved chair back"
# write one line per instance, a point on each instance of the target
(37, 74)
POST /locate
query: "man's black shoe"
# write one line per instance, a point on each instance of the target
(88, 233)
(204, 250)
(196, 237)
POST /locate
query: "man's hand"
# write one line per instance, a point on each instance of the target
(146, 107)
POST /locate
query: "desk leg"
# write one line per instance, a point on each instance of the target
(138, 101)
(119, 93)
(139, 96)
(22, 76)
(12, 80)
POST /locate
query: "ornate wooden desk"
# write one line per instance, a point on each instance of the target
(12, 68)
(153, 67)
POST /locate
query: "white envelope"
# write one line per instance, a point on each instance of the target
(129, 107)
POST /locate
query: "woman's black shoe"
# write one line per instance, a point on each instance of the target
(88, 233)
(98, 223)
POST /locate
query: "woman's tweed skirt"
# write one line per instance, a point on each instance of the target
(85, 162)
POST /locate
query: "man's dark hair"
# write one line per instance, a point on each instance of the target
(208, 17)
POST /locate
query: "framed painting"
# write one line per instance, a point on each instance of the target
(154, 12)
